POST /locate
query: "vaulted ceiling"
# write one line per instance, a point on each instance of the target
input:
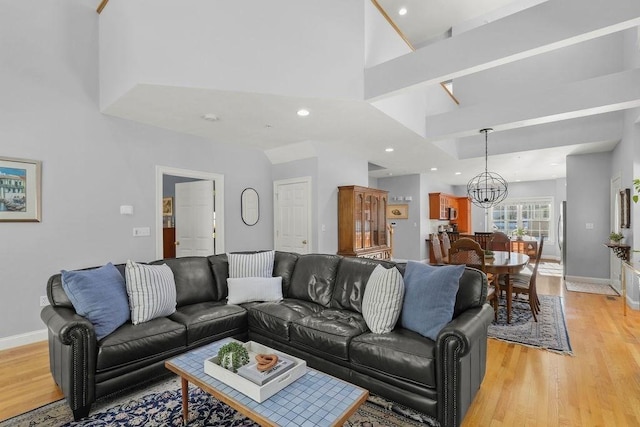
(550, 77)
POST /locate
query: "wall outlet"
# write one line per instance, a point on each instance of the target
(141, 231)
(44, 301)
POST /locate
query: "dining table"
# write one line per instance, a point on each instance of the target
(504, 263)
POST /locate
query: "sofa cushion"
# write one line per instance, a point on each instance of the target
(351, 279)
(100, 295)
(259, 264)
(250, 289)
(151, 290)
(314, 278)
(328, 332)
(430, 296)
(401, 353)
(283, 265)
(275, 317)
(152, 340)
(193, 278)
(210, 321)
(220, 270)
(382, 299)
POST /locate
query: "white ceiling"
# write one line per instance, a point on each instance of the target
(267, 122)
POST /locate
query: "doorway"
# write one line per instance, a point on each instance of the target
(292, 215)
(215, 210)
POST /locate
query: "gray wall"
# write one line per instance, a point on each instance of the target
(92, 163)
(588, 201)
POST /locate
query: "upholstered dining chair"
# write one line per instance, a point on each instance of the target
(524, 283)
(437, 248)
(446, 245)
(467, 251)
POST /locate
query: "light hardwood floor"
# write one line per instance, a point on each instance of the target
(598, 386)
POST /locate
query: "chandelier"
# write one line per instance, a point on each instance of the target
(488, 188)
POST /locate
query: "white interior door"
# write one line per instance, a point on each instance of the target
(195, 218)
(292, 215)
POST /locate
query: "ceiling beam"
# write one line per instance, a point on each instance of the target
(613, 92)
(101, 6)
(539, 29)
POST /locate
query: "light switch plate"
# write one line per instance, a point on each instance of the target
(589, 226)
(141, 231)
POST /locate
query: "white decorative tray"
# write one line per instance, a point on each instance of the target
(249, 388)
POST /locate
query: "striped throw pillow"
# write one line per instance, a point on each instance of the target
(259, 264)
(382, 300)
(151, 290)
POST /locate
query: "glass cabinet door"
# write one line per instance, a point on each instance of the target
(366, 221)
(374, 221)
(382, 224)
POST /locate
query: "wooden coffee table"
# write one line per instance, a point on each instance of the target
(315, 399)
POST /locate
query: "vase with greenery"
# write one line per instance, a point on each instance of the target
(232, 356)
(615, 238)
(520, 232)
(636, 187)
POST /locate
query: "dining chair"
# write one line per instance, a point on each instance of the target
(437, 248)
(446, 245)
(500, 242)
(524, 283)
(467, 251)
(483, 237)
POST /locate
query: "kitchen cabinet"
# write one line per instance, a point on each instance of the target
(439, 204)
(362, 222)
(464, 215)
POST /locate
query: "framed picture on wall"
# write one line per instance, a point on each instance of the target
(20, 190)
(167, 206)
(625, 208)
(397, 212)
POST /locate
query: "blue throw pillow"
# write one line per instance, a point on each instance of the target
(99, 295)
(429, 297)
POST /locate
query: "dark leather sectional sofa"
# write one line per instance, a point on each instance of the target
(319, 320)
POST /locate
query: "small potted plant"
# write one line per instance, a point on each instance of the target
(520, 232)
(636, 186)
(233, 355)
(615, 238)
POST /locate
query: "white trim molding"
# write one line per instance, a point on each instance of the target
(23, 339)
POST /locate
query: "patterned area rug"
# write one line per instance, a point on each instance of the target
(160, 405)
(590, 288)
(549, 332)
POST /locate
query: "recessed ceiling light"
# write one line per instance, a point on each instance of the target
(518, 180)
(210, 117)
(553, 164)
(434, 169)
(389, 174)
(388, 150)
(458, 173)
(402, 11)
(303, 113)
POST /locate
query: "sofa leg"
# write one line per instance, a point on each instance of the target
(80, 413)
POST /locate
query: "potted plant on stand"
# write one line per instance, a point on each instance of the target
(615, 238)
(520, 232)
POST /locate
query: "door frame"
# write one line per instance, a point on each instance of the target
(218, 202)
(614, 262)
(303, 179)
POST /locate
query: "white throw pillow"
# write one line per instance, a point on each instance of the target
(259, 264)
(248, 289)
(151, 290)
(382, 300)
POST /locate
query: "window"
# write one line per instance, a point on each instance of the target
(533, 214)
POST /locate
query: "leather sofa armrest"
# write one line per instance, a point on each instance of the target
(465, 329)
(72, 356)
(64, 323)
(461, 360)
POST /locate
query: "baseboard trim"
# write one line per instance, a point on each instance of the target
(594, 280)
(23, 339)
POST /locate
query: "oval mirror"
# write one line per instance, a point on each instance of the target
(250, 206)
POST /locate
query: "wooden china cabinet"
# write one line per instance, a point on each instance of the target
(362, 222)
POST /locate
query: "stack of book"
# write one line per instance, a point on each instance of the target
(251, 372)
